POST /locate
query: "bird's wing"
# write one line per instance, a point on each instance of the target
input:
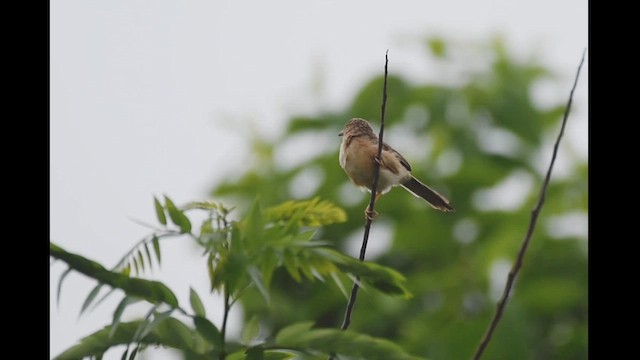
(403, 161)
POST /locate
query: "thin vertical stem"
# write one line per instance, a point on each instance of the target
(227, 298)
(223, 331)
(374, 187)
(502, 303)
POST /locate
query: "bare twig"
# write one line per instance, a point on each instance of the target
(223, 332)
(502, 303)
(227, 297)
(374, 187)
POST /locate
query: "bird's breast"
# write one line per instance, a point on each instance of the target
(343, 154)
(357, 162)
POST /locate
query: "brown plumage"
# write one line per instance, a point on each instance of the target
(358, 157)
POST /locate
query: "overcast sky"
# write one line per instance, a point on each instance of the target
(147, 97)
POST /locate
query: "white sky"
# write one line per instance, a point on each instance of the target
(145, 97)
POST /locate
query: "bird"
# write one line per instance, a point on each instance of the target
(358, 156)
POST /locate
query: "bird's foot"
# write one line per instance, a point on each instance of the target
(370, 214)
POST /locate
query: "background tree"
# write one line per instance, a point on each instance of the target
(479, 143)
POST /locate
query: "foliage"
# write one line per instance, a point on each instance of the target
(431, 293)
(473, 142)
(241, 256)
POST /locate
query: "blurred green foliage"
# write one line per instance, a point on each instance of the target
(468, 141)
(240, 255)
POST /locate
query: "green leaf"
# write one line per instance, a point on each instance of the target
(202, 205)
(179, 332)
(303, 123)
(141, 259)
(126, 271)
(160, 211)
(256, 277)
(254, 353)
(291, 264)
(156, 248)
(268, 263)
(134, 353)
(253, 226)
(177, 216)
(289, 333)
(380, 277)
(211, 269)
(313, 213)
(158, 318)
(336, 279)
(305, 267)
(127, 300)
(170, 333)
(196, 303)
(104, 297)
(284, 355)
(348, 343)
(206, 228)
(135, 265)
(315, 262)
(306, 236)
(146, 323)
(238, 355)
(92, 295)
(208, 331)
(251, 330)
(152, 291)
(229, 271)
(146, 250)
(437, 47)
(64, 274)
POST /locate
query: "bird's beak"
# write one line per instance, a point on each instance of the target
(341, 133)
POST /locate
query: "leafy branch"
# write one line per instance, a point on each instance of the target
(152, 291)
(239, 255)
(502, 303)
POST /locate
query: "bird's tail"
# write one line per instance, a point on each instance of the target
(434, 199)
